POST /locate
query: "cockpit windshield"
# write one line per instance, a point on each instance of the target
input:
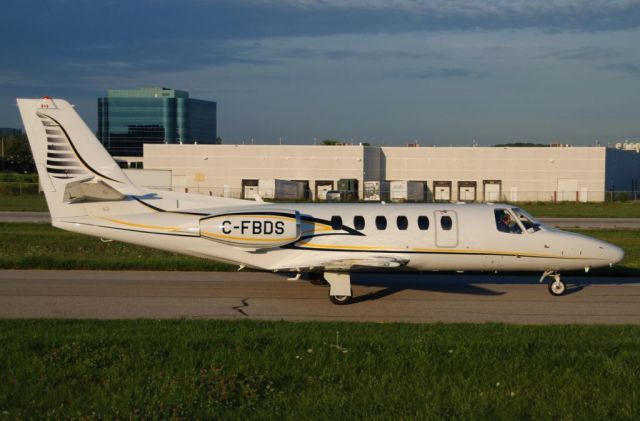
(528, 221)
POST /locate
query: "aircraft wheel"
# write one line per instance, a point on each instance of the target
(340, 299)
(557, 287)
(317, 278)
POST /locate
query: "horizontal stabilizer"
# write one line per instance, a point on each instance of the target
(90, 191)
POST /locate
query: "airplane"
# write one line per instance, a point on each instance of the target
(88, 193)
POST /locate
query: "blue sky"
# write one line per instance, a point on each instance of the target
(388, 72)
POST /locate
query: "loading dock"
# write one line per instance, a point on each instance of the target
(322, 187)
(492, 190)
(467, 191)
(249, 188)
(442, 191)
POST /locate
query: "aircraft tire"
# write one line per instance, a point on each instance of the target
(340, 300)
(317, 278)
(557, 288)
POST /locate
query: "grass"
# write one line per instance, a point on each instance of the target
(629, 209)
(41, 246)
(23, 203)
(185, 369)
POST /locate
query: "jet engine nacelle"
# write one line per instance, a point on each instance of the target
(262, 229)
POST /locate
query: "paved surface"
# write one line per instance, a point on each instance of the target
(592, 222)
(25, 217)
(379, 297)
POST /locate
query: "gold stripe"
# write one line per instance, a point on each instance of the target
(448, 251)
(225, 237)
(132, 224)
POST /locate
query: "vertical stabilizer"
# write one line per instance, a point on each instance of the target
(66, 151)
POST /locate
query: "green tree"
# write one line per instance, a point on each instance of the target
(16, 154)
(218, 141)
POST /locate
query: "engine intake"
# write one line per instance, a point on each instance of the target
(253, 229)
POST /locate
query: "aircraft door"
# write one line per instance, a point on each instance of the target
(446, 229)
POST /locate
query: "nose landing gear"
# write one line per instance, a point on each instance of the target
(556, 287)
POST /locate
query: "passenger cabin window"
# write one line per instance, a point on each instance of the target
(505, 222)
(527, 221)
(336, 222)
(423, 223)
(358, 222)
(381, 222)
(446, 223)
(402, 223)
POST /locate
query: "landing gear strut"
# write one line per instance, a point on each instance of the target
(340, 292)
(556, 287)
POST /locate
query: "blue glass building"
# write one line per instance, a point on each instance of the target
(129, 118)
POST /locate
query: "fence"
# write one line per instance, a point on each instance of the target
(24, 188)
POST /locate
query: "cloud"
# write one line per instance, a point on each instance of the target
(583, 53)
(435, 73)
(628, 68)
(467, 8)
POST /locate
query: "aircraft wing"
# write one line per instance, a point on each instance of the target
(339, 264)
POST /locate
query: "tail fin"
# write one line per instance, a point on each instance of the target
(68, 154)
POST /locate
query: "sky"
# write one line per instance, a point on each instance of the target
(388, 72)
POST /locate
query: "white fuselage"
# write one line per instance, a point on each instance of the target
(468, 240)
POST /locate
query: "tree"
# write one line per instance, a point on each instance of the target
(16, 154)
(332, 142)
(218, 141)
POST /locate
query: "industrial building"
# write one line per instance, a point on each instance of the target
(129, 118)
(471, 174)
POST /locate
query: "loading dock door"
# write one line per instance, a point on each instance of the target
(249, 188)
(467, 191)
(322, 187)
(442, 190)
(446, 229)
(492, 191)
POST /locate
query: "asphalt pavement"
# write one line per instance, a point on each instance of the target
(387, 297)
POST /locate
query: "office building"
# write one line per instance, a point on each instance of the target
(129, 118)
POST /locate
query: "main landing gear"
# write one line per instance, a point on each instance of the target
(340, 292)
(556, 287)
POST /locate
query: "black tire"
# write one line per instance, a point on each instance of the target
(557, 288)
(340, 300)
(317, 278)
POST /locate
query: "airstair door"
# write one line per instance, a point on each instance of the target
(446, 229)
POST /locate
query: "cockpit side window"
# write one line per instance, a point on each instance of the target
(505, 222)
(527, 221)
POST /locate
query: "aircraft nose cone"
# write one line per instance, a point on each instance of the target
(614, 253)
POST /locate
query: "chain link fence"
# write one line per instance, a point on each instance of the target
(9, 188)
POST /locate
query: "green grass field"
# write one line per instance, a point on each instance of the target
(23, 203)
(183, 369)
(583, 210)
(41, 246)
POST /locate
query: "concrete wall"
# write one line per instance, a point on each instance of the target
(220, 169)
(526, 174)
(518, 174)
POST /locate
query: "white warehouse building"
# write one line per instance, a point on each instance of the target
(448, 173)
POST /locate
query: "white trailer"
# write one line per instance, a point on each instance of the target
(407, 191)
(376, 190)
(281, 189)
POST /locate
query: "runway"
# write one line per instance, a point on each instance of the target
(607, 223)
(419, 298)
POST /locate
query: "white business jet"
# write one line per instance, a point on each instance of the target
(88, 193)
